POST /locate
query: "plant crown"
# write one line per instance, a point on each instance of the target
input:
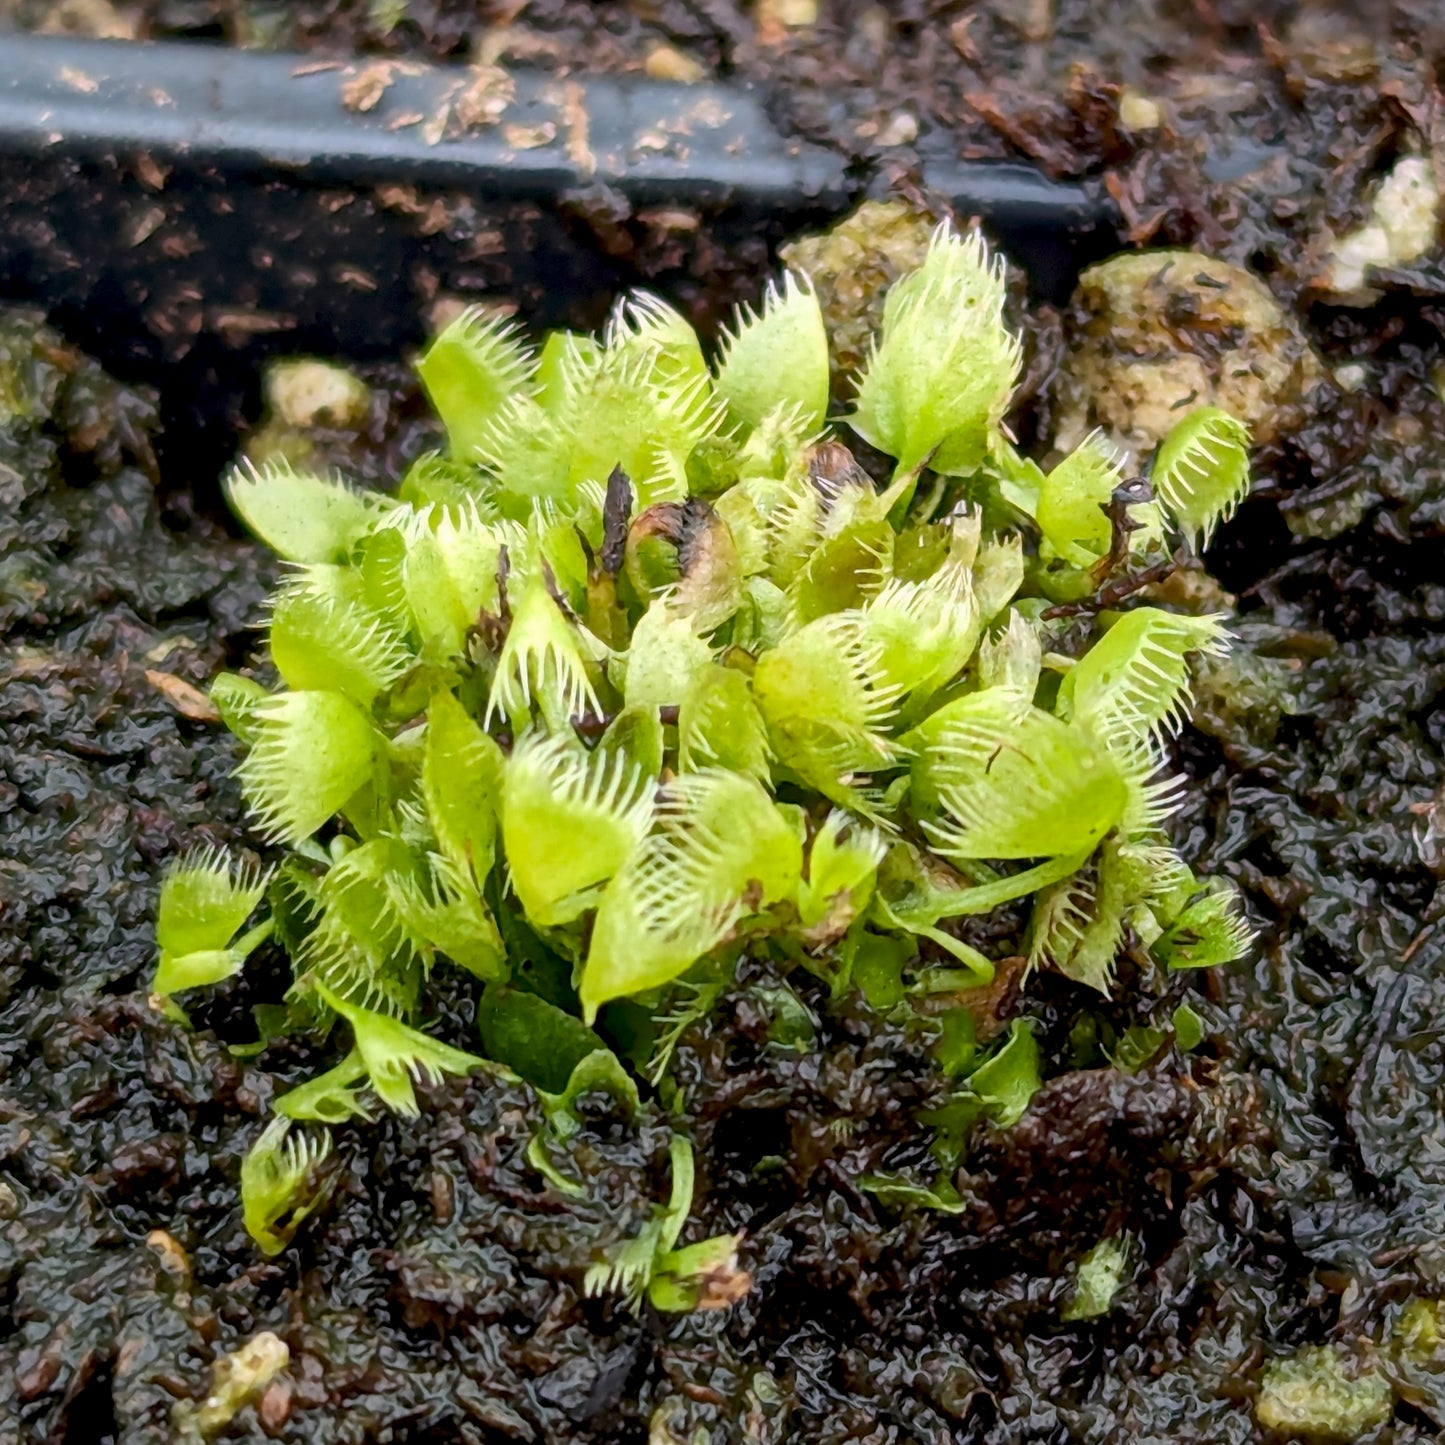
(647, 671)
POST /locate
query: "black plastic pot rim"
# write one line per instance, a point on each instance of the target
(543, 136)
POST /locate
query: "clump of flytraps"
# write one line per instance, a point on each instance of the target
(647, 672)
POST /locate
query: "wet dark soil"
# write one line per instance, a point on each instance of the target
(1285, 1182)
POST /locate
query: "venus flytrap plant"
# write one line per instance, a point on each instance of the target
(323, 640)
(303, 518)
(1201, 472)
(719, 725)
(1019, 782)
(570, 821)
(1072, 504)
(644, 403)
(470, 372)
(461, 783)
(722, 849)
(394, 1056)
(925, 631)
(542, 664)
(203, 906)
(1011, 656)
(938, 382)
(777, 360)
(365, 944)
(699, 1276)
(1134, 682)
(995, 1086)
(312, 753)
(282, 1182)
(1206, 931)
(648, 673)
(827, 702)
(444, 907)
(842, 869)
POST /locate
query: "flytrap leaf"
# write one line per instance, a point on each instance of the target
(1072, 503)
(571, 820)
(313, 751)
(302, 518)
(204, 902)
(925, 632)
(842, 866)
(542, 664)
(1017, 782)
(945, 365)
(1207, 931)
(719, 838)
(778, 359)
(323, 642)
(203, 906)
(470, 371)
(649, 688)
(1201, 472)
(363, 941)
(282, 1182)
(700, 1276)
(396, 1057)
(643, 401)
(719, 725)
(462, 773)
(1134, 681)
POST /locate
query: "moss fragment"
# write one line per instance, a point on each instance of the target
(306, 400)
(1314, 1394)
(236, 1379)
(1100, 1275)
(1158, 332)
